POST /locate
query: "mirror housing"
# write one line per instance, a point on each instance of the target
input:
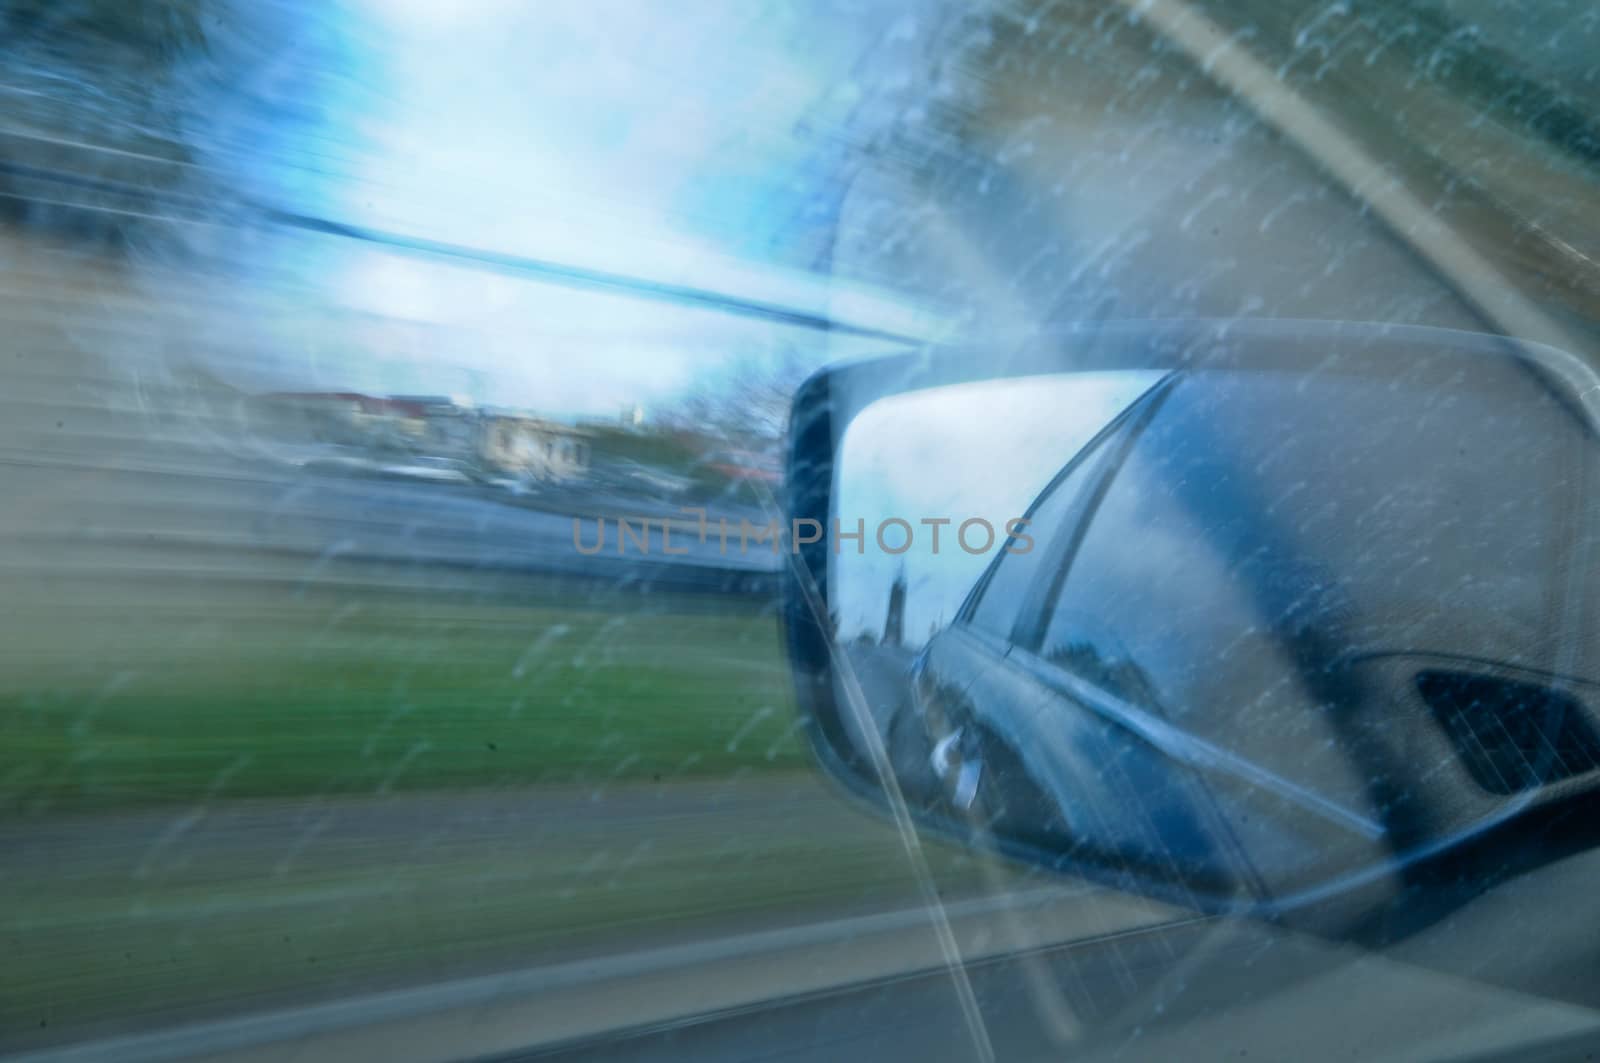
(1297, 733)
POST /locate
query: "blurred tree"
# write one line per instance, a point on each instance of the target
(154, 32)
(743, 405)
(118, 117)
(94, 139)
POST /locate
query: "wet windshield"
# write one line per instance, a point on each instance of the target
(394, 401)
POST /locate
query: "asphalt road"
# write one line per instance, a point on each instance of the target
(162, 916)
(1028, 974)
(882, 674)
(1210, 990)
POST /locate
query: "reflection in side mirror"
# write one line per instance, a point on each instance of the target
(1240, 622)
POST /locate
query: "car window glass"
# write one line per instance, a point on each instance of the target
(1053, 515)
(1239, 554)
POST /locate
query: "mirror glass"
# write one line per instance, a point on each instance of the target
(1241, 631)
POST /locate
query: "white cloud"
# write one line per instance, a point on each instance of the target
(614, 136)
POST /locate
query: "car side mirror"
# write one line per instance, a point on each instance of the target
(1242, 616)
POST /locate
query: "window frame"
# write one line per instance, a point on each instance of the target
(1127, 424)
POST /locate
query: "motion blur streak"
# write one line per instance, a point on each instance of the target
(306, 693)
(321, 323)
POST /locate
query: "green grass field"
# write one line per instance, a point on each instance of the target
(274, 693)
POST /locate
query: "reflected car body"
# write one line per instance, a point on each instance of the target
(1348, 649)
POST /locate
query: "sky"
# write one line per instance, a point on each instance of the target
(981, 449)
(663, 141)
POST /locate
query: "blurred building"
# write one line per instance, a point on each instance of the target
(510, 443)
(533, 448)
(447, 426)
(351, 419)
